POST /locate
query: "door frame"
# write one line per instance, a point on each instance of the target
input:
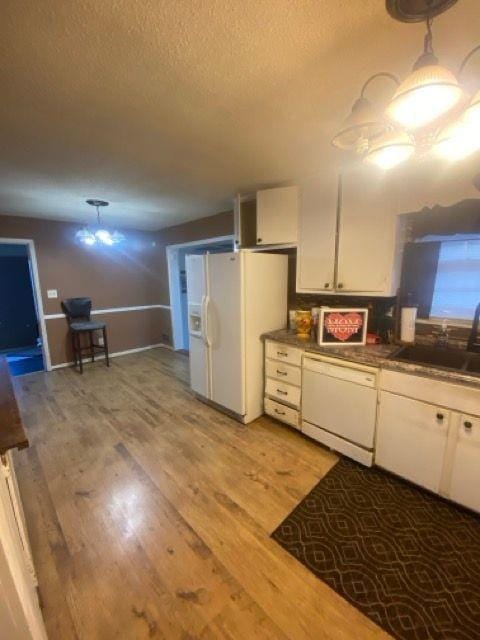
(172, 251)
(37, 294)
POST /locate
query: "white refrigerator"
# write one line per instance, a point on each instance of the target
(232, 299)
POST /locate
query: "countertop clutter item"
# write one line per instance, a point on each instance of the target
(342, 327)
(408, 317)
(232, 299)
(304, 324)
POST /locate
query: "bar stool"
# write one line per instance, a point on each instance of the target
(78, 312)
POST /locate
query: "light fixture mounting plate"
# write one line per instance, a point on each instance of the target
(417, 10)
(97, 203)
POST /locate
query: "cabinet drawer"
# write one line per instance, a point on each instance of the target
(283, 372)
(282, 413)
(284, 353)
(282, 391)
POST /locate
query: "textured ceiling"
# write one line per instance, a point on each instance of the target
(168, 107)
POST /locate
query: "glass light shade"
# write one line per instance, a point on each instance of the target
(104, 236)
(427, 93)
(85, 236)
(390, 149)
(117, 237)
(460, 139)
(363, 123)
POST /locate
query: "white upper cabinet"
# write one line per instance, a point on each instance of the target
(317, 232)
(277, 215)
(369, 248)
(365, 256)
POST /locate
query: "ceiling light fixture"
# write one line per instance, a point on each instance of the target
(425, 108)
(90, 237)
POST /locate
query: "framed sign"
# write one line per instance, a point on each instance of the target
(342, 326)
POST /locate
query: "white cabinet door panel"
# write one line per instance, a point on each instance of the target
(367, 253)
(277, 215)
(317, 230)
(411, 439)
(465, 479)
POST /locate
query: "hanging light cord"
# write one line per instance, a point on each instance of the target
(381, 74)
(98, 214)
(428, 40)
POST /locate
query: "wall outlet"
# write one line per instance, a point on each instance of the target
(52, 293)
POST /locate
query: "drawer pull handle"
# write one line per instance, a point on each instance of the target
(440, 416)
(283, 393)
(282, 373)
(468, 425)
(280, 413)
(282, 353)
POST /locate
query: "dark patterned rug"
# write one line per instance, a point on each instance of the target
(408, 560)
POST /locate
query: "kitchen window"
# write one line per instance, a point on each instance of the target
(456, 290)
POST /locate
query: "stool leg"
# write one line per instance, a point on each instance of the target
(105, 346)
(74, 348)
(92, 350)
(79, 344)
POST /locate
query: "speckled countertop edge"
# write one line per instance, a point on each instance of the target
(374, 355)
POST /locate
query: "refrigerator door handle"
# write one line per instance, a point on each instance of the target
(208, 341)
(203, 319)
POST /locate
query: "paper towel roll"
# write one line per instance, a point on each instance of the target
(407, 324)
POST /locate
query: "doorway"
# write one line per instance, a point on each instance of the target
(21, 319)
(176, 255)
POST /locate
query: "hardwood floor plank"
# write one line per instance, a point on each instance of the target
(150, 512)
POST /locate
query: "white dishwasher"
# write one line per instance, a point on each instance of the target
(339, 405)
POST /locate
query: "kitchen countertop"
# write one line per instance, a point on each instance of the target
(12, 433)
(374, 355)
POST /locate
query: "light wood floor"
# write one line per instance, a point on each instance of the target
(150, 513)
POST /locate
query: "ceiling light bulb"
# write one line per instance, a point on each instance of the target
(459, 139)
(104, 236)
(390, 150)
(85, 236)
(429, 92)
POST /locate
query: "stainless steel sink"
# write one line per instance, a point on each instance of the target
(434, 356)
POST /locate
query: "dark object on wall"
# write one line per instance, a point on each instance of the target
(419, 271)
(460, 218)
(78, 312)
(18, 318)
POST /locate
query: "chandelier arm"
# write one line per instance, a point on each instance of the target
(467, 59)
(381, 74)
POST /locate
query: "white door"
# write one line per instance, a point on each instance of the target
(465, 479)
(411, 439)
(367, 256)
(225, 330)
(196, 268)
(317, 228)
(277, 215)
(341, 400)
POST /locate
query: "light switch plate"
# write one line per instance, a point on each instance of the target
(52, 293)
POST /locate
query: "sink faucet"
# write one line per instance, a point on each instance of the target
(473, 340)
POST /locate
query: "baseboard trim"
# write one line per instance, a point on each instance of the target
(116, 354)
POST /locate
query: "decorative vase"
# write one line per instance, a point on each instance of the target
(303, 321)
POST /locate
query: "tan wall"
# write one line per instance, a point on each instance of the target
(220, 224)
(128, 275)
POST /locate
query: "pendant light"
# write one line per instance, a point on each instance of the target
(89, 237)
(364, 122)
(390, 149)
(429, 92)
(461, 138)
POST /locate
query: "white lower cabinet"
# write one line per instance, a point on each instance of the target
(283, 379)
(464, 486)
(411, 439)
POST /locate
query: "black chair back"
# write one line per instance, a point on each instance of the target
(77, 308)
